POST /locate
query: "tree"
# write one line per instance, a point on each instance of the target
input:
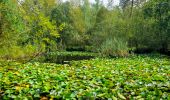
(43, 31)
(26, 27)
(159, 10)
(11, 28)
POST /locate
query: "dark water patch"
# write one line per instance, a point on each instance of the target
(165, 53)
(66, 59)
(143, 51)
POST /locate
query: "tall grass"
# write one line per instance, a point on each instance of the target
(114, 47)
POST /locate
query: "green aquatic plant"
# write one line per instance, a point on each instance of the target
(136, 77)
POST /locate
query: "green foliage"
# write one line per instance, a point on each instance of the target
(49, 25)
(110, 36)
(18, 52)
(29, 28)
(149, 26)
(159, 11)
(11, 26)
(43, 32)
(137, 77)
(114, 47)
(26, 29)
(73, 35)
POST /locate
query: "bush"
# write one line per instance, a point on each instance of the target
(18, 52)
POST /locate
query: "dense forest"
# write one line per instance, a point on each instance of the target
(32, 27)
(120, 43)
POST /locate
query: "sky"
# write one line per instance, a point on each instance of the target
(116, 2)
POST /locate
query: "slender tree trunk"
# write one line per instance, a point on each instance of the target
(0, 25)
(131, 8)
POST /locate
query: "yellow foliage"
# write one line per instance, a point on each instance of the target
(78, 20)
(18, 88)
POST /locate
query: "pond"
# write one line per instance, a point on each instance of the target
(66, 57)
(139, 77)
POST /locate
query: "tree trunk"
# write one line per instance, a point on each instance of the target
(131, 8)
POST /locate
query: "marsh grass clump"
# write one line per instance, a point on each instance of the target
(114, 48)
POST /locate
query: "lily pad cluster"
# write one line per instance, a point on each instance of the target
(134, 78)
